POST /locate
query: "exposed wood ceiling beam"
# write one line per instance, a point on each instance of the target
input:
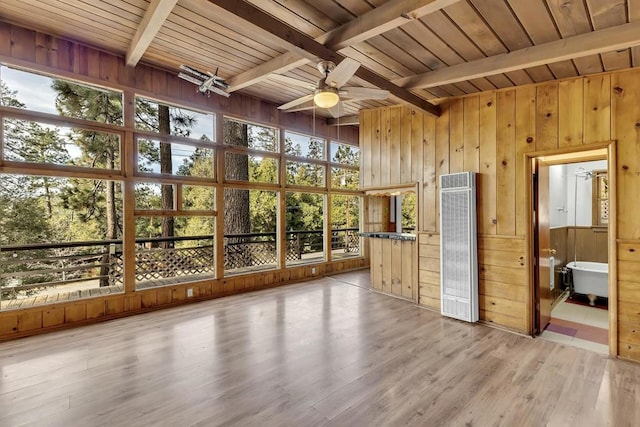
(153, 19)
(379, 20)
(345, 121)
(607, 40)
(299, 40)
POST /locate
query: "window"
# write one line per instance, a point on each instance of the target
(173, 249)
(600, 202)
(345, 154)
(160, 157)
(304, 146)
(250, 168)
(305, 174)
(250, 230)
(172, 120)
(35, 92)
(33, 142)
(252, 136)
(345, 225)
(305, 228)
(348, 179)
(59, 237)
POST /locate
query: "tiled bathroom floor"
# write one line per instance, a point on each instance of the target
(579, 326)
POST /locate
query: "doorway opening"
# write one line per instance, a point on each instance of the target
(571, 247)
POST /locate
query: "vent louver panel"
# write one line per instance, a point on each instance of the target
(458, 247)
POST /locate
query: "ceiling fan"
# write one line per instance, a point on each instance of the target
(329, 90)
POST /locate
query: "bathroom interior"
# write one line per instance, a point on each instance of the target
(578, 217)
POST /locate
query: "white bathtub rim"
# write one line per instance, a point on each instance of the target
(594, 267)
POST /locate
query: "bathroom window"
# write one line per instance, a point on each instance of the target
(600, 199)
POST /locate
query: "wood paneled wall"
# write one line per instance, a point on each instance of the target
(490, 133)
(393, 270)
(20, 47)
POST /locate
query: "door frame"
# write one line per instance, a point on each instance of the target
(573, 155)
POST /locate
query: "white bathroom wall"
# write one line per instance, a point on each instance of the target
(562, 185)
(585, 189)
(557, 196)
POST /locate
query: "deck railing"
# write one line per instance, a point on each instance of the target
(32, 267)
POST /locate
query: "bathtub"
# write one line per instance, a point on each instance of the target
(590, 278)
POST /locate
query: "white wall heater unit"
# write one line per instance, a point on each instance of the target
(458, 246)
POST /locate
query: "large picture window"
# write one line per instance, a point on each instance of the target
(60, 239)
(65, 178)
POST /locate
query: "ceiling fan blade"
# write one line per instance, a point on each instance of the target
(296, 102)
(291, 81)
(335, 110)
(343, 72)
(309, 105)
(354, 93)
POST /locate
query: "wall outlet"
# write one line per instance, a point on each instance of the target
(189, 292)
(313, 270)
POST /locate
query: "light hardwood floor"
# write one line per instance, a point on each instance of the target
(324, 352)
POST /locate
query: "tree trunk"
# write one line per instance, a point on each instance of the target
(236, 201)
(166, 166)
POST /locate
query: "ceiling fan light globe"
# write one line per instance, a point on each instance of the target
(326, 98)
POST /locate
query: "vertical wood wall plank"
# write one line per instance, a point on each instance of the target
(5, 38)
(365, 148)
(407, 261)
(386, 265)
(405, 146)
(395, 148)
(597, 108)
(506, 163)
(23, 44)
(376, 148)
(385, 144)
(442, 154)
(417, 126)
(525, 142)
(571, 113)
(547, 117)
(471, 134)
(487, 218)
(456, 138)
(430, 190)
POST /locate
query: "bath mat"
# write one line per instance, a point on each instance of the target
(601, 303)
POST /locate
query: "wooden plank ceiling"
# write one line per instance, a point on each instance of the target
(430, 48)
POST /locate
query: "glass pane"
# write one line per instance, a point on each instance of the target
(345, 225)
(250, 220)
(58, 236)
(174, 159)
(250, 168)
(152, 196)
(409, 213)
(22, 89)
(304, 146)
(249, 135)
(172, 250)
(305, 228)
(171, 120)
(305, 174)
(198, 198)
(345, 178)
(32, 142)
(345, 154)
